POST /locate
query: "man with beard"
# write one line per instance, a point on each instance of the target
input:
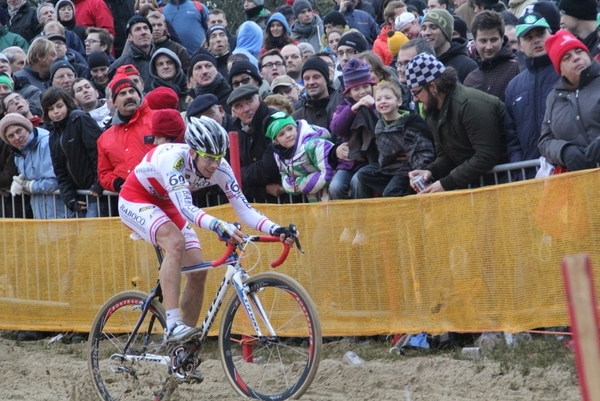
(122, 147)
(437, 29)
(203, 73)
(141, 49)
(467, 126)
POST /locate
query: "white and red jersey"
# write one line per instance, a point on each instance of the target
(168, 172)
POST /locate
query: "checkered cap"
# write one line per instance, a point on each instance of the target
(422, 69)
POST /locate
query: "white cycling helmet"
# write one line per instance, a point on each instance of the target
(206, 135)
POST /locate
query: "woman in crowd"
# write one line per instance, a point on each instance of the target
(277, 34)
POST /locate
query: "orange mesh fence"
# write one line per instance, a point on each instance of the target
(487, 259)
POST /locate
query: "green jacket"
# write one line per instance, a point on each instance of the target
(469, 137)
(8, 39)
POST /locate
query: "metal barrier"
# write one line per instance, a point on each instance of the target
(18, 207)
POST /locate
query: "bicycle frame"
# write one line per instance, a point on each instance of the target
(235, 275)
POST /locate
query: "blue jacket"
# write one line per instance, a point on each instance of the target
(189, 23)
(525, 101)
(364, 23)
(35, 163)
(249, 41)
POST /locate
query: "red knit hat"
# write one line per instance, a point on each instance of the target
(167, 123)
(162, 98)
(120, 82)
(559, 44)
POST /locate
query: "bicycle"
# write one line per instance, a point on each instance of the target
(129, 358)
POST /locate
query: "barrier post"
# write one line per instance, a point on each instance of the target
(581, 297)
(236, 166)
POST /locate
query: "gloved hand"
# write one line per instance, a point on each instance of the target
(592, 152)
(223, 229)
(76, 206)
(16, 188)
(96, 189)
(26, 184)
(288, 231)
(574, 158)
(118, 183)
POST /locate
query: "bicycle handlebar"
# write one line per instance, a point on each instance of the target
(255, 238)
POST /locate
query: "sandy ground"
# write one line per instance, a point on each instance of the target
(38, 371)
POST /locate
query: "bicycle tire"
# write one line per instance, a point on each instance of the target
(285, 367)
(115, 379)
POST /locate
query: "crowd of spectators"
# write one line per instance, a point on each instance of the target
(349, 104)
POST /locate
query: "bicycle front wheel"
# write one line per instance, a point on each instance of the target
(283, 365)
(139, 372)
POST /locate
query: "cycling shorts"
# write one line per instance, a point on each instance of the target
(146, 216)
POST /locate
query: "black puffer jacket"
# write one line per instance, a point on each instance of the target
(75, 155)
(25, 22)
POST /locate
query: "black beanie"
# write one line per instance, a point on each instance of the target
(354, 40)
(580, 9)
(244, 67)
(134, 20)
(460, 26)
(201, 55)
(98, 58)
(58, 64)
(550, 12)
(318, 64)
(334, 18)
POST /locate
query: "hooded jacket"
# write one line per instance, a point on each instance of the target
(35, 163)
(380, 46)
(525, 102)
(75, 155)
(468, 136)
(457, 58)
(189, 23)
(307, 170)
(179, 81)
(493, 75)
(571, 116)
(309, 33)
(249, 41)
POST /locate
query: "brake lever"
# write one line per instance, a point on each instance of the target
(292, 229)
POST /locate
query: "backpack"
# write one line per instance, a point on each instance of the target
(201, 10)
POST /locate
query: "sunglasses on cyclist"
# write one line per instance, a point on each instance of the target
(211, 158)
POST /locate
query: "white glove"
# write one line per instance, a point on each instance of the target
(26, 184)
(16, 188)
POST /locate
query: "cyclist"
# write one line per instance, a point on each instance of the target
(156, 203)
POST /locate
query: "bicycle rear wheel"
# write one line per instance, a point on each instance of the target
(141, 371)
(284, 366)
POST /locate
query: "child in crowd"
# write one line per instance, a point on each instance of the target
(354, 121)
(402, 141)
(302, 154)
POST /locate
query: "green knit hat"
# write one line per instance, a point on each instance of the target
(276, 122)
(5, 79)
(443, 19)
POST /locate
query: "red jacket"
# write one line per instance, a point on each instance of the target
(121, 147)
(380, 46)
(94, 13)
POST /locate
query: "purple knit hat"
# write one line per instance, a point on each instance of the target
(356, 73)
